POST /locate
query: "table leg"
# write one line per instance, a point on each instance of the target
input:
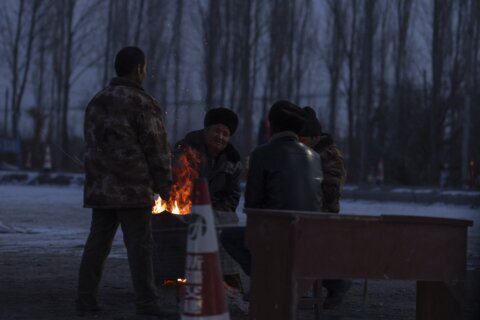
(439, 301)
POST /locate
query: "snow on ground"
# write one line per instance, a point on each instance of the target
(46, 228)
(49, 198)
(44, 218)
(442, 210)
(57, 213)
(373, 208)
(461, 193)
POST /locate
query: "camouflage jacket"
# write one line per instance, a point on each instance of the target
(127, 158)
(334, 174)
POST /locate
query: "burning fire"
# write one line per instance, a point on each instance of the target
(185, 171)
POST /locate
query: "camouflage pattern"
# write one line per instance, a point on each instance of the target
(127, 158)
(334, 173)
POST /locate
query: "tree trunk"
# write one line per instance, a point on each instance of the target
(108, 40)
(66, 82)
(177, 38)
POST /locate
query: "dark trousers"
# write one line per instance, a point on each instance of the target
(137, 236)
(233, 240)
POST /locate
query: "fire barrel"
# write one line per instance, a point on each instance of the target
(170, 237)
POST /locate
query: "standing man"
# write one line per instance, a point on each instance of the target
(333, 179)
(220, 162)
(127, 160)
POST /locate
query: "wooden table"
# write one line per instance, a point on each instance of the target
(288, 247)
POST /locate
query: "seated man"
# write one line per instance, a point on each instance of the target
(220, 162)
(333, 178)
(283, 174)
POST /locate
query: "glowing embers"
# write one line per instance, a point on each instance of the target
(173, 283)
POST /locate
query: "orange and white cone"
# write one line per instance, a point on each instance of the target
(47, 162)
(204, 296)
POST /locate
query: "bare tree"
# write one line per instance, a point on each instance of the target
(470, 50)
(399, 137)
(19, 59)
(107, 56)
(120, 15)
(211, 43)
(379, 121)
(279, 34)
(335, 55)
(136, 38)
(305, 43)
(442, 15)
(156, 41)
(176, 41)
(351, 53)
(366, 83)
(70, 58)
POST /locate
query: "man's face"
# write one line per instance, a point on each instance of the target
(310, 141)
(217, 137)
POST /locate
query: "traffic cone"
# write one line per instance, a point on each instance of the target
(28, 162)
(204, 296)
(47, 162)
(380, 175)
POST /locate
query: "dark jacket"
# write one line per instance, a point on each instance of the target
(334, 173)
(284, 174)
(223, 172)
(127, 158)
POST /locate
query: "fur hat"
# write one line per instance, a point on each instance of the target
(286, 116)
(312, 127)
(223, 116)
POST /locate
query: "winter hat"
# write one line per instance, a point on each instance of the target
(312, 127)
(223, 116)
(286, 116)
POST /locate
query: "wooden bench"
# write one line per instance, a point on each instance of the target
(289, 248)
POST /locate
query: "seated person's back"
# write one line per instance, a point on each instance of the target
(284, 174)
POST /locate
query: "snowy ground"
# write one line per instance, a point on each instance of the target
(43, 230)
(52, 215)
(71, 221)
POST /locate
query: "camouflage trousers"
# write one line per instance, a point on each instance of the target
(137, 236)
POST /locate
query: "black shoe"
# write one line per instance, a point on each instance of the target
(156, 311)
(88, 310)
(335, 297)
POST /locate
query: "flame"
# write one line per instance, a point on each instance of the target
(185, 171)
(172, 282)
